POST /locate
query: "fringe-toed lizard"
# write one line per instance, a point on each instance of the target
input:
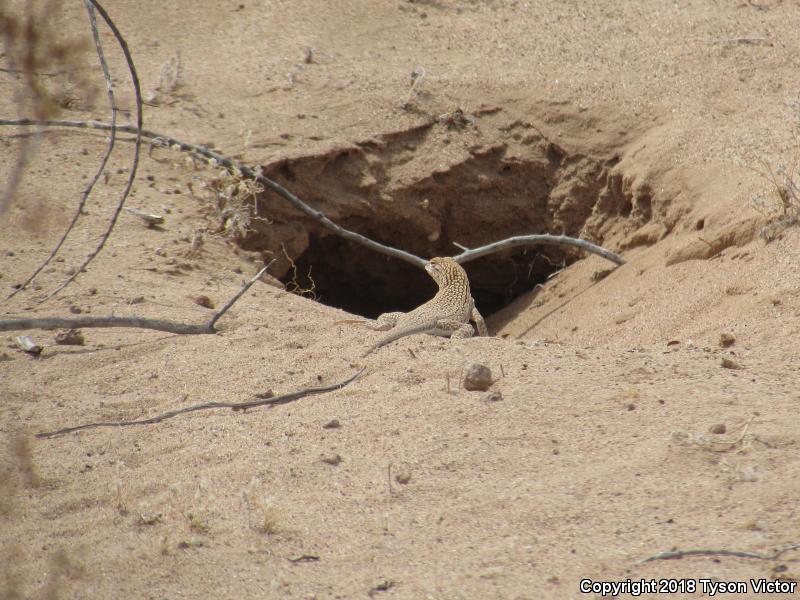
(448, 313)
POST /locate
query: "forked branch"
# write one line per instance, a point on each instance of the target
(139, 322)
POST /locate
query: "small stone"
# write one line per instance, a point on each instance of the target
(726, 340)
(93, 291)
(204, 301)
(75, 310)
(137, 300)
(727, 363)
(493, 396)
(332, 424)
(403, 477)
(333, 459)
(479, 378)
(70, 337)
(598, 275)
(719, 428)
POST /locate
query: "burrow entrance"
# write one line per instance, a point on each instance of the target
(431, 189)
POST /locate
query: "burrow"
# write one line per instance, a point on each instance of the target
(457, 181)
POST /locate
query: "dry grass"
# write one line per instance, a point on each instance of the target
(235, 203)
(294, 286)
(717, 443)
(781, 205)
(263, 513)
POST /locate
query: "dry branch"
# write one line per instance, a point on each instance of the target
(140, 322)
(134, 163)
(675, 554)
(468, 255)
(109, 148)
(532, 240)
(275, 401)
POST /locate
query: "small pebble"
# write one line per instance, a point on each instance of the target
(726, 340)
(75, 310)
(334, 459)
(493, 396)
(204, 301)
(479, 378)
(719, 428)
(332, 424)
(727, 363)
(402, 477)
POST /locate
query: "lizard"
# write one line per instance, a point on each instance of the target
(448, 313)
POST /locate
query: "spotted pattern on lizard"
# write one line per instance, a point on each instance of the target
(448, 313)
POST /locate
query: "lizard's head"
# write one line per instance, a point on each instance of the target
(445, 270)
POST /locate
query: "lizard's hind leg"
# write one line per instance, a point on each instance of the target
(385, 321)
(454, 329)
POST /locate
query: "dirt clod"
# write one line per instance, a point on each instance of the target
(69, 337)
(478, 378)
(726, 340)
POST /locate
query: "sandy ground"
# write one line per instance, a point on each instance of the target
(642, 410)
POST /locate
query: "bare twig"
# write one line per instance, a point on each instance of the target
(531, 240)
(212, 321)
(277, 400)
(141, 323)
(675, 554)
(109, 148)
(134, 163)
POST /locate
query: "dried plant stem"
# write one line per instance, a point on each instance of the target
(109, 148)
(134, 163)
(275, 401)
(675, 554)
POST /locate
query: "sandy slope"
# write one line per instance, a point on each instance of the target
(599, 453)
